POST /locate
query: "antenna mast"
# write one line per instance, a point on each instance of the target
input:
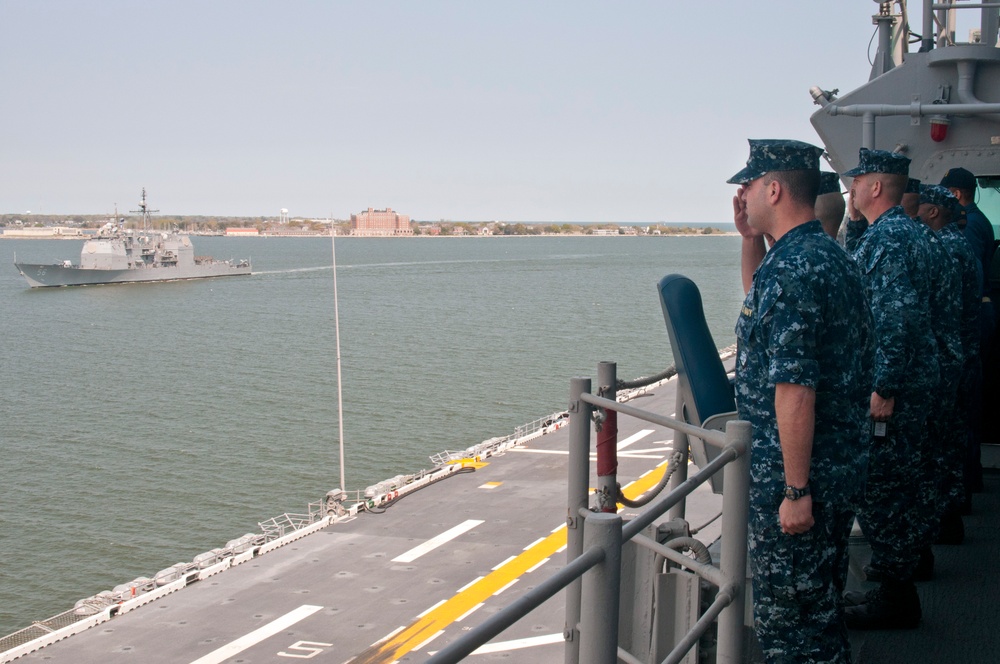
(336, 319)
(144, 211)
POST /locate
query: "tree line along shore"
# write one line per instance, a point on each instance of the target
(273, 226)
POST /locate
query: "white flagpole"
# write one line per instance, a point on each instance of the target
(336, 320)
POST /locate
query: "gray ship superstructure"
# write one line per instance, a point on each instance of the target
(119, 255)
(523, 542)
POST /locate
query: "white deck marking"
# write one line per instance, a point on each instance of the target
(253, 638)
(506, 587)
(537, 541)
(469, 584)
(539, 564)
(634, 438)
(534, 451)
(593, 455)
(394, 632)
(469, 612)
(428, 640)
(435, 542)
(499, 565)
(428, 611)
(517, 644)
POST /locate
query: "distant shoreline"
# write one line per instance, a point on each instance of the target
(4, 236)
(82, 226)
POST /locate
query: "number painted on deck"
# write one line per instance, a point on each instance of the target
(313, 648)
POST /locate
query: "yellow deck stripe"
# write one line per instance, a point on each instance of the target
(463, 601)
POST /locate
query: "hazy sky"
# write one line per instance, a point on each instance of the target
(471, 110)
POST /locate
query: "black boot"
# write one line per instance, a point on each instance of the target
(858, 597)
(872, 573)
(925, 567)
(966, 508)
(893, 605)
(952, 528)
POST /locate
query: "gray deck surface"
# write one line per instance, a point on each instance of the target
(351, 594)
(961, 605)
(348, 570)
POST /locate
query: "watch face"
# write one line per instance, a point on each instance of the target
(791, 493)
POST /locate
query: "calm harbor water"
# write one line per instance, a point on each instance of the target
(143, 424)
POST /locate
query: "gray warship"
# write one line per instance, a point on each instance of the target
(469, 564)
(122, 256)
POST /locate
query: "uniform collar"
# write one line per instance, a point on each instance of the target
(894, 211)
(802, 229)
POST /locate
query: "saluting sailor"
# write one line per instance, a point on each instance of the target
(803, 347)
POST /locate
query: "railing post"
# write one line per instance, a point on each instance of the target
(601, 588)
(607, 440)
(681, 472)
(578, 467)
(733, 561)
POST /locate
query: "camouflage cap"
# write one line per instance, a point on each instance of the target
(829, 183)
(777, 155)
(880, 161)
(912, 186)
(935, 194)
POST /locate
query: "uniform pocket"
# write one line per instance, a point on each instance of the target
(790, 568)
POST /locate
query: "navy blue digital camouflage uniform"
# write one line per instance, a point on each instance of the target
(979, 232)
(805, 321)
(946, 457)
(956, 245)
(953, 488)
(894, 258)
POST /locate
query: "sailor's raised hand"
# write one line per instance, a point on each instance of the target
(852, 212)
(740, 217)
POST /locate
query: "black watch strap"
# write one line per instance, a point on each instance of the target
(794, 493)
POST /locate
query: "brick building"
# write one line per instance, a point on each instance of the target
(380, 223)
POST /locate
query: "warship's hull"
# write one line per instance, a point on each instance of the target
(46, 276)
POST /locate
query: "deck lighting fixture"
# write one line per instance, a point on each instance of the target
(939, 127)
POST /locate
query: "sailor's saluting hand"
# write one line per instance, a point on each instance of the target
(740, 215)
(852, 212)
(754, 246)
(740, 218)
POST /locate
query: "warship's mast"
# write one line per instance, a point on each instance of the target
(144, 211)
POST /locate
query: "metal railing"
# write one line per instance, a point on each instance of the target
(342, 504)
(281, 525)
(500, 443)
(592, 575)
(96, 608)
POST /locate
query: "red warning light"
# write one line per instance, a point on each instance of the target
(939, 128)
